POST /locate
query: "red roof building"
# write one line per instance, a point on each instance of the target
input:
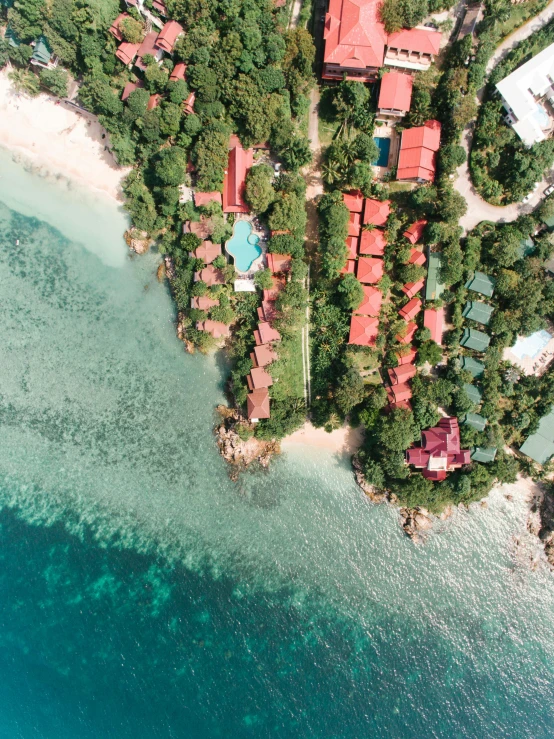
(349, 268)
(433, 319)
(417, 257)
(160, 7)
(417, 160)
(240, 161)
(399, 393)
(257, 404)
(354, 201)
(412, 288)
(406, 358)
(419, 45)
(126, 52)
(169, 35)
(188, 104)
(395, 94)
(370, 270)
(272, 293)
(210, 276)
(415, 232)
(352, 246)
(179, 72)
(217, 329)
(401, 374)
(404, 405)
(208, 252)
(406, 337)
(363, 330)
(373, 242)
(371, 304)
(204, 198)
(376, 212)
(440, 450)
(258, 378)
(153, 102)
(263, 355)
(148, 47)
(267, 311)
(279, 262)
(267, 333)
(354, 224)
(203, 302)
(410, 310)
(114, 28)
(131, 87)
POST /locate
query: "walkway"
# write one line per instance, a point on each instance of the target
(478, 209)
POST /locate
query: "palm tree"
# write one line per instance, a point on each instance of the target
(24, 81)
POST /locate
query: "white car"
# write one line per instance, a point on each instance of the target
(528, 197)
(549, 190)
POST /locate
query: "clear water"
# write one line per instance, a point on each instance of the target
(531, 346)
(384, 149)
(143, 594)
(243, 246)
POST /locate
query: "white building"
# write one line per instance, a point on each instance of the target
(528, 97)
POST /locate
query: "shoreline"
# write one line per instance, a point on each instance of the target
(58, 141)
(345, 440)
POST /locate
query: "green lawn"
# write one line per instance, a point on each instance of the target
(520, 14)
(292, 375)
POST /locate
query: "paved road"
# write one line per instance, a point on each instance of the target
(478, 209)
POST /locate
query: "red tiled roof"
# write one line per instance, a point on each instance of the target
(373, 242)
(411, 309)
(363, 330)
(267, 333)
(417, 257)
(203, 198)
(279, 262)
(264, 355)
(169, 35)
(401, 374)
(257, 337)
(201, 228)
(240, 161)
(210, 276)
(349, 267)
(376, 212)
(411, 328)
(412, 288)
(354, 35)
(272, 293)
(153, 102)
(114, 28)
(260, 378)
(406, 358)
(208, 251)
(127, 52)
(267, 311)
(396, 91)
(398, 393)
(354, 224)
(440, 450)
(371, 304)
(203, 302)
(257, 404)
(217, 329)
(433, 319)
(422, 40)
(148, 46)
(404, 405)
(188, 105)
(179, 72)
(418, 149)
(415, 232)
(160, 7)
(370, 270)
(131, 87)
(354, 201)
(352, 246)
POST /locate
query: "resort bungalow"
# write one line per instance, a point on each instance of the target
(399, 393)
(153, 101)
(352, 246)
(395, 95)
(349, 268)
(263, 355)
(469, 364)
(433, 319)
(127, 53)
(418, 148)
(114, 28)
(475, 421)
(131, 87)
(371, 303)
(149, 47)
(526, 247)
(267, 311)
(188, 104)
(373, 242)
(210, 275)
(354, 224)
(370, 270)
(407, 336)
(266, 333)
(257, 405)
(410, 310)
(481, 283)
(417, 257)
(354, 201)
(202, 302)
(258, 378)
(273, 292)
(473, 339)
(376, 212)
(412, 48)
(363, 330)
(439, 452)
(415, 231)
(43, 56)
(179, 72)
(240, 161)
(433, 287)
(485, 455)
(477, 311)
(412, 288)
(279, 262)
(407, 358)
(540, 445)
(473, 393)
(217, 329)
(205, 198)
(400, 375)
(169, 35)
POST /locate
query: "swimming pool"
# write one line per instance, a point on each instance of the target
(243, 246)
(531, 346)
(384, 149)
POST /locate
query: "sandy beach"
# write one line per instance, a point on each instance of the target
(58, 140)
(345, 440)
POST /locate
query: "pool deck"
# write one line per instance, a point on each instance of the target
(532, 365)
(387, 131)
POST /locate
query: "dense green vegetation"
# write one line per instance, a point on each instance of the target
(397, 14)
(502, 168)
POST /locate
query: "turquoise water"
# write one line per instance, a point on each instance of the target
(383, 145)
(243, 247)
(143, 594)
(531, 346)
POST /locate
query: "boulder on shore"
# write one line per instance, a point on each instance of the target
(241, 450)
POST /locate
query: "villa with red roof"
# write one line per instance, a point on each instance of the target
(115, 29)
(417, 257)
(127, 53)
(401, 374)
(210, 276)
(179, 72)
(349, 267)
(406, 338)
(203, 302)
(149, 47)
(406, 358)
(257, 404)
(205, 198)
(354, 201)
(418, 148)
(412, 288)
(169, 35)
(267, 333)
(279, 262)
(217, 329)
(263, 355)
(410, 310)
(354, 224)
(240, 161)
(131, 87)
(153, 101)
(395, 95)
(357, 45)
(373, 242)
(439, 451)
(363, 330)
(188, 104)
(370, 270)
(258, 378)
(371, 304)
(352, 246)
(399, 393)
(433, 319)
(376, 212)
(415, 231)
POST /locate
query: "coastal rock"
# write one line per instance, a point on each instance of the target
(241, 449)
(161, 272)
(169, 268)
(138, 241)
(541, 519)
(415, 522)
(376, 496)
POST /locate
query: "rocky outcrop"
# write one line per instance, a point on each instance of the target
(541, 519)
(169, 268)
(376, 496)
(137, 240)
(161, 272)
(236, 442)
